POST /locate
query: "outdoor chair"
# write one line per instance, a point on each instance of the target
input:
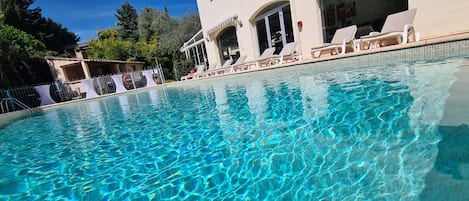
(239, 64)
(265, 55)
(212, 68)
(288, 53)
(199, 72)
(341, 42)
(397, 29)
(226, 66)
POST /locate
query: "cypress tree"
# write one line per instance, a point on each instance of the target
(127, 20)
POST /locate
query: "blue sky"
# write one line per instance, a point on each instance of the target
(86, 17)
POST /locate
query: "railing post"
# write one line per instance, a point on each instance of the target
(9, 102)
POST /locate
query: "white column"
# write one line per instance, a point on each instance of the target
(86, 70)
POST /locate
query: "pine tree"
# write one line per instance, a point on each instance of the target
(127, 22)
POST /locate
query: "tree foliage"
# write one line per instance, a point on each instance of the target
(110, 46)
(159, 36)
(52, 34)
(188, 26)
(25, 37)
(171, 32)
(127, 22)
(20, 58)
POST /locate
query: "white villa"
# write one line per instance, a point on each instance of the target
(247, 27)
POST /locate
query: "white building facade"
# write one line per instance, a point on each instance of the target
(247, 27)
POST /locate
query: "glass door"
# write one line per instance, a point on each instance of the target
(274, 28)
(276, 32)
(262, 35)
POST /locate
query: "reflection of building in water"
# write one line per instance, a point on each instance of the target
(233, 122)
(124, 105)
(96, 114)
(257, 102)
(222, 106)
(314, 93)
(220, 96)
(386, 114)
(154, 97)
(158, 97)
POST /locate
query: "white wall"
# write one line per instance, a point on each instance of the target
(310, 35)
(213, 12)
(437, 17)
(434, 17)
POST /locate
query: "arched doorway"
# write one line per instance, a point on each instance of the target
(228, 44)
(274, 27)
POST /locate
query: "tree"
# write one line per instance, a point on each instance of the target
(188, 26)
(127, 22)
(21, 58)
(159, 36)
(52, 34)
(171, 32)
(110, 46)
(151, 22)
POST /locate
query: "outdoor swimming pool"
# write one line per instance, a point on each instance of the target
(297, 133)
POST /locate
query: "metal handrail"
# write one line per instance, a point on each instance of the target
(4, 104)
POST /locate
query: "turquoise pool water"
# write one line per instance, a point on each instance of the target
(377, 133)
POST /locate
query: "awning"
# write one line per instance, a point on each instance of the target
(226, 23)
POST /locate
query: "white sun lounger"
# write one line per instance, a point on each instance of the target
(226, 66)
(288, 53)
(239, 64)
(211, 69)
(265, 55)
(397, 28)
(199, 73)
(342, 40)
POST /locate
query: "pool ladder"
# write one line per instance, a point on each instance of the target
(8, 105)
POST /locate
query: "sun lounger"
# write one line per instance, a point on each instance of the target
(239, 64)
(212, 68)
(226, 66)
(265, 55)
(342, 40)
(287, 53)
(199, 73)
(397, 29)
